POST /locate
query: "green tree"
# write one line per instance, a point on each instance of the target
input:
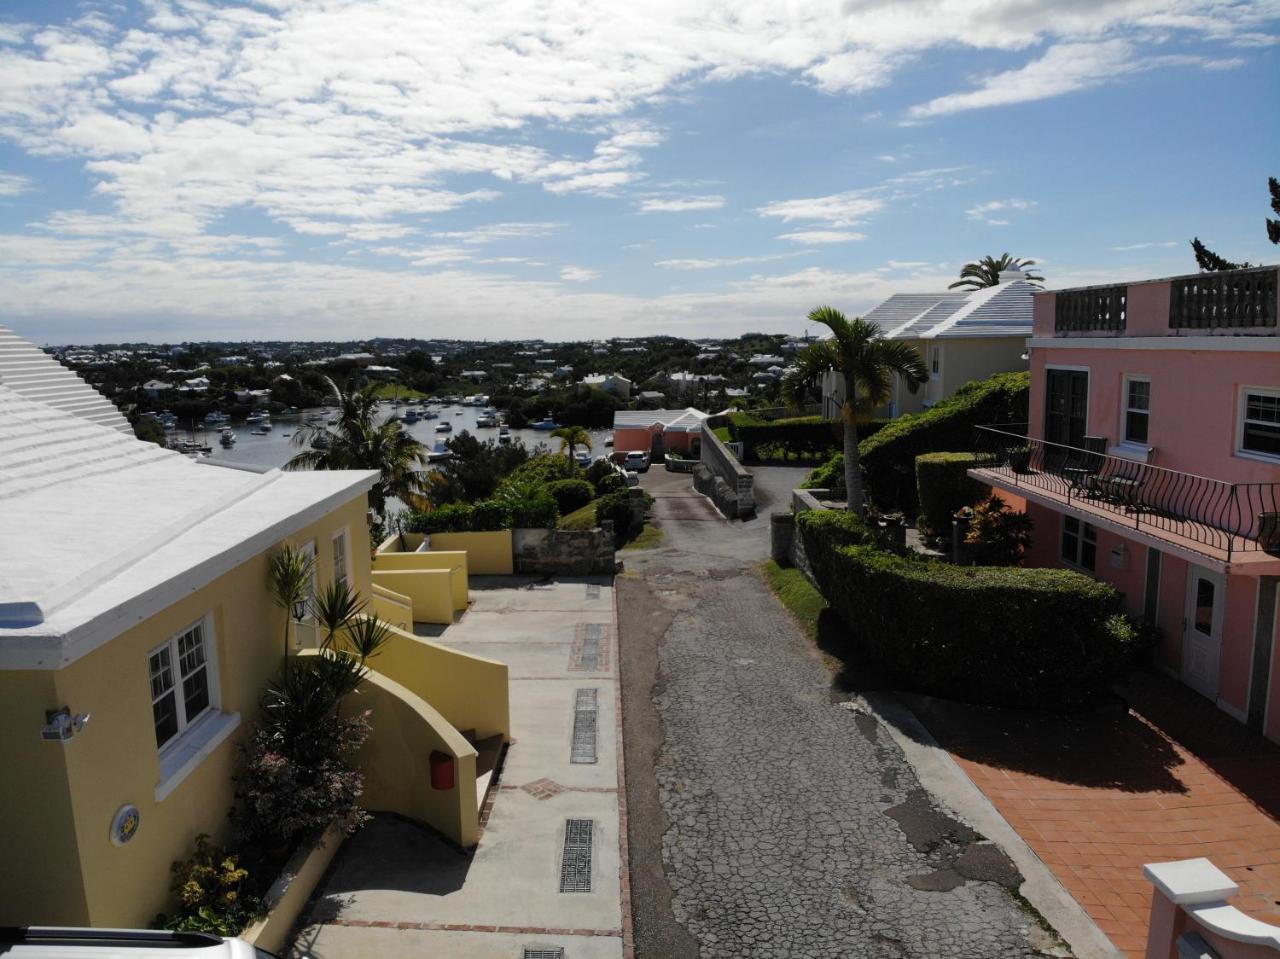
(289, 573)
(571, 437)
(986, 272)
(360, 442)
(866, 363)
(1210, 262)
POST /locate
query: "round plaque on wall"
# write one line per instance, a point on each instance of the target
(124, 824)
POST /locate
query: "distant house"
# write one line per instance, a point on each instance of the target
(614, 383)
(475, 376)
(197, 384)
(684, 382)
(656, 431)
(154, 388)
(253, 396)
(766, 359)
(963, 335)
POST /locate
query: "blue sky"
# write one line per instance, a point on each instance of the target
(183, 169)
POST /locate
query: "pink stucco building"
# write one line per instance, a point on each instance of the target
(657, 431)
(1152, 461)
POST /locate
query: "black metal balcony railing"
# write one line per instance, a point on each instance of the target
(1090, 309)
(1236, 299)
(1203, 514)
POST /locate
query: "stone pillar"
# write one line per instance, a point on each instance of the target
(782, 532)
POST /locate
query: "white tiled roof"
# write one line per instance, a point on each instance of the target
(1003, 310)
(33, 373)
(685, 419)
(100, 530)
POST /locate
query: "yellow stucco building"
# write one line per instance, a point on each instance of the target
(136, 635)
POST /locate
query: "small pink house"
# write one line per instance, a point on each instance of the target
(1152, 461)
(657, 431)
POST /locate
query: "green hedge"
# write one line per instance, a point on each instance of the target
(943, 486)
(798, 435)
(571, 494)
(617, 507)
(539, 512)
(888, 457)
(1044, 638)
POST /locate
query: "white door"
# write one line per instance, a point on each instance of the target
(1206, 598)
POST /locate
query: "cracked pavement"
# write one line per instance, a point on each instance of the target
(766, 820)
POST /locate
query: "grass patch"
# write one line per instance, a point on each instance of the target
(583, 518)
(723, 433)
(394, 391)
(799, 595)
(649, 537)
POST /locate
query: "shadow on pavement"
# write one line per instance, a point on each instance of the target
(1111, 748)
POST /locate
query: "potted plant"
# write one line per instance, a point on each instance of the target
(1020, 459)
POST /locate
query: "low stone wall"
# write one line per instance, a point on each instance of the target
(289, 893)
(565, 552)
(737, 498)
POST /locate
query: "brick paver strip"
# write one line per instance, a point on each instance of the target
(1095, 835)
(464, 927)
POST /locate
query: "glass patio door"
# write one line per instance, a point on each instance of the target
(1066, 408)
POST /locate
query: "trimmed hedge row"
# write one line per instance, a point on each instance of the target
(1043, 638)
(943, 486)
(800, 435)
(571, 494)
(888, 457)
(484, 516)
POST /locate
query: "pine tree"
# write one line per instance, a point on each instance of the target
(1210, 262)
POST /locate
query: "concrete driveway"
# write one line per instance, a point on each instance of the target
(399, 889)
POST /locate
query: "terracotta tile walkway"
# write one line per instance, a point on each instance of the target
(1096, 797)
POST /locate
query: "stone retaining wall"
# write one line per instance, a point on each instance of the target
(729, 484)
(565, 552)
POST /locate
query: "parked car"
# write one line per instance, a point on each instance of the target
(52, 942)
(637, 461)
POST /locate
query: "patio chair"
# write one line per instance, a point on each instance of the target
(1082, 465)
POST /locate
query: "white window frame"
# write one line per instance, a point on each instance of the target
(935, 360)
(341, 536)
(185, 722)
(1242, 409)
(1125, 410)
(1086, 530)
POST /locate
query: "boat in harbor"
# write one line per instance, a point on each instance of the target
(411, 415)
(430, 414)
(439, 452)
(444, 427)
(544, 425)
(257, 416)
(216, 419)
(504, 434)
(228, 438)
(258, 431)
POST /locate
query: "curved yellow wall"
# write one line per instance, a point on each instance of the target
(488, 554)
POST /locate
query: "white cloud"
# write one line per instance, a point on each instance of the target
(856, 71)
(997, 212)
(838, 209)
(815, 237)
(495, 232)
(1064, 68)
(713, 263)
(680, 204)
(12, 184)
(577, 274)
(1146, 246)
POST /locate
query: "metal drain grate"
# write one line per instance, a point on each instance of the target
(543, 952)
(585, 711)
(593, 590)
(575, 862)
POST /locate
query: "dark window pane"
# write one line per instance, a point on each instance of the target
(1204, 606)
(1139, 395)
(165, 713)
(1262, 407)
(1135, 427)
(1088, 555)
(1258, 438)
(195, 694)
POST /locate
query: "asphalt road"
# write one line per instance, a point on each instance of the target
(765, 819)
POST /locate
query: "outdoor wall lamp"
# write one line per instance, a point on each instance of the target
(60, 725)
(300, 610)
(1026, 354)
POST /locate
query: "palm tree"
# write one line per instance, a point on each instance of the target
(289, 572)
(572, 436)
(360, 442)
(866, 362)
(986, 272)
